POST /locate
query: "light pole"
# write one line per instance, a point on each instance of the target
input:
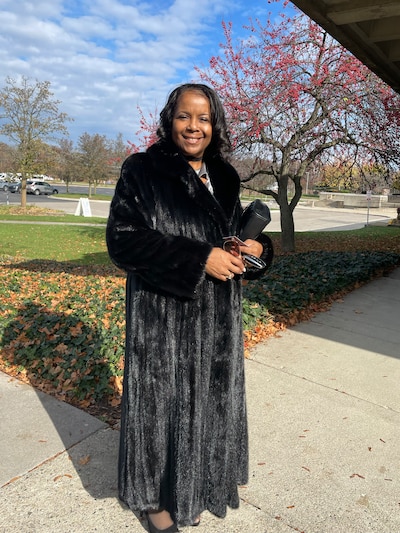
(368, 203)
(307, 178)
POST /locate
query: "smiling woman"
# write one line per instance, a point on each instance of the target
(183, 428)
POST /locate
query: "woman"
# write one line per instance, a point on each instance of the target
(183, 445)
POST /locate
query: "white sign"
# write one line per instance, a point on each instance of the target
(369, 195)
(83, 208)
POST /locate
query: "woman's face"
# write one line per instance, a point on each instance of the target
(191, 124)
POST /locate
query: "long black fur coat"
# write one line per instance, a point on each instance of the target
(183, 431)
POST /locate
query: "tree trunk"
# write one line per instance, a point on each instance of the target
(287, 226)
(23, 191)
(286, 214)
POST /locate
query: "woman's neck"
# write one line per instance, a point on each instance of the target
(196, 165)
(195, 162)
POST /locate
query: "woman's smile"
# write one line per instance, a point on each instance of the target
(194, 141)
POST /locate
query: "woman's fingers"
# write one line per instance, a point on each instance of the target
(253, 248)
(223, 265)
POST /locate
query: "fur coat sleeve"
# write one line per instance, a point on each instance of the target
(173, 263)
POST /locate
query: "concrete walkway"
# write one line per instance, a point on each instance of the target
(324, 416)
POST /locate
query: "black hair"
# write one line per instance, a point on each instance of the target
(220, 142)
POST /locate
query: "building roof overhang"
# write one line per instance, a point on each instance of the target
(369, 29)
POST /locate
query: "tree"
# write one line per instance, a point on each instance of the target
(29, 116)
(295, 99)
(119, 150)
(7, 158)
(67, 162)
(93, 157)
(147, 132)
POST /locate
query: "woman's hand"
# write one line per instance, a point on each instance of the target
(252, 248)
(224, 265)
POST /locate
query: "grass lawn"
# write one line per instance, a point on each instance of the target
(78, 244)
(36, 233)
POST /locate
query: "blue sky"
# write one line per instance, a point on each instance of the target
(104, 58)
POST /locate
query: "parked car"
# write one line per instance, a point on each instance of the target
(4, 185)
(40, 187)
(14, 186)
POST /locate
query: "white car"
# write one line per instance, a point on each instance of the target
(40, 187)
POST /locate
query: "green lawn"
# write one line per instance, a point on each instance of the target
(83, 244)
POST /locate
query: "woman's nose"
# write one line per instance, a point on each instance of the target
(193, 125)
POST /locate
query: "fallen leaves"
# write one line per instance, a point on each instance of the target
(57, 478)
(84, 460)
(30, 210)
(51, 335)
(260, 332)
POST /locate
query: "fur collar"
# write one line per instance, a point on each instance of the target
(169, 162)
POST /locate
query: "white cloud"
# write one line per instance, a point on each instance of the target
(105, 57)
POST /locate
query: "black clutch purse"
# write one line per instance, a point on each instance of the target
(254, 219)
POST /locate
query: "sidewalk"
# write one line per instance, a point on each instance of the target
(324, 418)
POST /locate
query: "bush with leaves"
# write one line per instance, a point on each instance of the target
(65, 329)
(295, 282)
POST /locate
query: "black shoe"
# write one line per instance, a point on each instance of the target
(153, 529)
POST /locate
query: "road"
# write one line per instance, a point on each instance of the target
(333, 219)
(306, 218)
(98, 208)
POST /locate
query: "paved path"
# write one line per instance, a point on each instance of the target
(324, 416)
